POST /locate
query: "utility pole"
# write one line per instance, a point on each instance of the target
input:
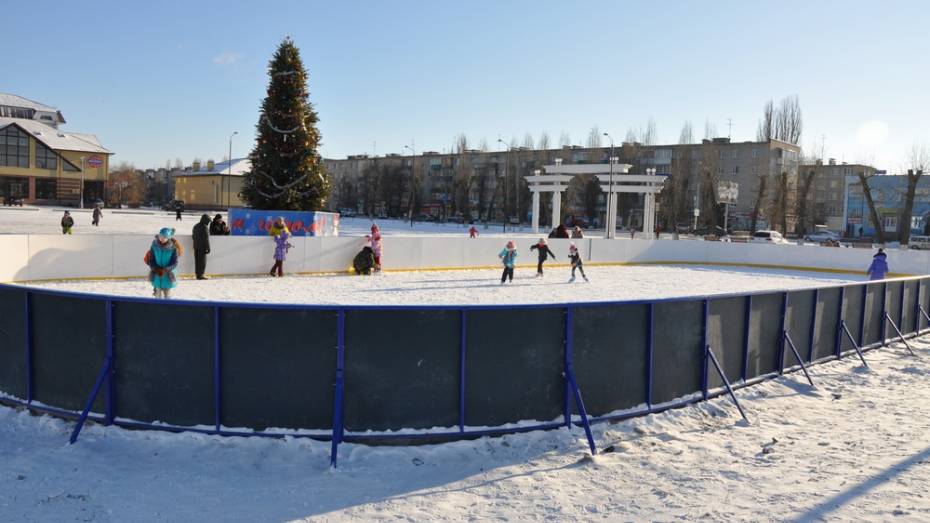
(506, 169)
(413, 177)
(823, 145)
(608, 232)
(729, 128)
(229, 175)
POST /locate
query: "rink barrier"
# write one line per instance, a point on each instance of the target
(402, 374)
(33, 258)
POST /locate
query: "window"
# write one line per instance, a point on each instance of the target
(16, 112)
(755, 169)
(735, 153)
(736, 169)
(14, 147)
(46, 188)
(45, 157)
(70, 167)
(890, 223)
(755, 152)
(45, 117)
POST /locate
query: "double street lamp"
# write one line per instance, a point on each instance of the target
(229, 175)
(413, 178)
(609, 227)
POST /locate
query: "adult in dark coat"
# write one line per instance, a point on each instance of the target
(201, 235)
(364, 261)
(97, 214)
(218, 227)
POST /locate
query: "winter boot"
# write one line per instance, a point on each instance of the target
(572, 279)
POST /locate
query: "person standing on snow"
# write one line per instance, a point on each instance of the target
(67, 222)
(879, 268)
(575, 258)
(376, 246)
(544, 252)
(473, 232)
(201, 234)
(218, 227)
(577, 234)
(162, 259)
(97, 214)
(281, 234)
(177, 212)
(508, 257)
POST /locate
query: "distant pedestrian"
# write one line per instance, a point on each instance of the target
(201, 234)
(218, 227)
(577, 234)
(561, 231)
(473, 232)
(575, 257)
(879, 268)
(281, 234)
(67, 222)
(508, 257)
(544, 252)
(97, 214)
(162, 259)
(177, 213)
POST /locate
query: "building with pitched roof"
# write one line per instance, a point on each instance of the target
(213, 186)
(39, 163)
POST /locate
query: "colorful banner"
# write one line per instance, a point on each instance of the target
(253, 222)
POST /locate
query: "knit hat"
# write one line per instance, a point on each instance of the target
(374, 228)
(542, 241)
(571, 246)
(167, 232)
(511, 245)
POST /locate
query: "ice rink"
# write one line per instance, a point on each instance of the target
(607, 283)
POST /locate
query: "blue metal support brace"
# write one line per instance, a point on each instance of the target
(865, 295)
(340, 384)
(709, 355)
(111, 377)
(924, 314)
(900, 336)
(851, 340)
(102, 375)
(797, 356)
(572, 383)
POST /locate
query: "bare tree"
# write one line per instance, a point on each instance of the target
(564, 139)
(594, 137)
(873, 212)
(710, 129)
(483, 145)
(543, 142)
(687, 133)
(528, 141)
(757, 204)
(807, 180)
(649, 136)
(631, 136)
(784, 123)
(766, 130)
(178, 164)
(919, 158)
(779, 208)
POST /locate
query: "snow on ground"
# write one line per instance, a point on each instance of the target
(46, 220)
(854, 448)
(608, 283)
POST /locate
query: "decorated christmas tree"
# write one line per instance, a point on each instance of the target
(287, 171)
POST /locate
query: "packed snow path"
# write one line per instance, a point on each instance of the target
(854, 448)
(476, 286)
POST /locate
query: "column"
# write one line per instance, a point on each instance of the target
(649, 215)
(535, 211)
(611, 229)
(556, 207)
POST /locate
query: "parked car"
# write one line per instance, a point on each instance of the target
(821, 236)
(347, 212)
(12, 200)
(710, 231)
(920, 243)
(768, 237)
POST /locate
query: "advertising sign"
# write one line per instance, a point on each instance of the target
(95, 161)
(253, 222)
(727, 192)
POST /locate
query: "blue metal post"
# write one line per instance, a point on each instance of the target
(340, 377)
(781, 346)
(840, 324)
(28, 337)
(650, 348)
(917, 308)
(746, 338)
(217, 377)
(884, 314)
(462, 341)
(570, 378)
(901, 306)
(111, 377)
(865, 295)
(102, 375)
(704, 373)
(810, 353)
(566, 363)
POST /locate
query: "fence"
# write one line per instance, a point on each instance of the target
(364, 373)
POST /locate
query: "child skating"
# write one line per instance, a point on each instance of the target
(281, 234)
(575, 258)
(376, 245)
(67, 222)
(508, 257)
(162, 259)
(544, 253)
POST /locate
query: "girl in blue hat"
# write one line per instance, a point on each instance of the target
(162, 259)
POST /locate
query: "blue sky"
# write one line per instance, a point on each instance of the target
(165, 80)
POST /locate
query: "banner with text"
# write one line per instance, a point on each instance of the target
(254, 222)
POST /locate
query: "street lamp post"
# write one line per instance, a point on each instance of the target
(609, 229)
(229, 174)
(82, 182)
(413, 178)
(506, 169)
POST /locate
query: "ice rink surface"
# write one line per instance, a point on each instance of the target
(479, 287)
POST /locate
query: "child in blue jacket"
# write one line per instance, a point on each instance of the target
(879, 268)
(508, 256)
(162, 259)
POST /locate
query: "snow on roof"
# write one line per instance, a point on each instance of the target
(55, 138)
(18, 101)
(240, 166)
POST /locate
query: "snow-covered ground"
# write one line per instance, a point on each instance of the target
(607, 283)
(46, 220)
(854, 448)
